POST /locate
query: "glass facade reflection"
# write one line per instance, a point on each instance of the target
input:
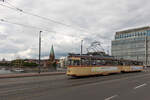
(131, 44)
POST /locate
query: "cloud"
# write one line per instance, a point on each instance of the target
(90, 20)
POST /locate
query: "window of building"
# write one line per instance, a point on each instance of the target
(135, 33)
(120, 35)
(148, 32)
(138, 33)
(130, 35)
(123, 35)
(143, 33)
(126, 35)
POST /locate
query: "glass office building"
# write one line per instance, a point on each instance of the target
(132, 44)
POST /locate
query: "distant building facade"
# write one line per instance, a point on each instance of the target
(4, 62)
(132, 44)
(62, 63)
(46, 63)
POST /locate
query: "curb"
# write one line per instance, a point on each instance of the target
(30, 75)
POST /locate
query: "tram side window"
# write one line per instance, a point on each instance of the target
(70, 62)
(120, 63)
(101, 62)
(135, 63)
(140, 63)
(130, 63)
(85, 62)
(93, 62)
(98, 62)
(115, 63)
(76, 62)
(126, 63)
(109, 62)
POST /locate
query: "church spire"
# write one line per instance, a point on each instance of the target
(52, 54)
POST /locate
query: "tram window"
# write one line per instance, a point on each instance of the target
(109, 62)
(87, 62)
(76, 62)
(103, 62)
(82, 61)
(125, 63)
(128, 63)
(69, 62)
(135, 63)
(97, 62)
(120, 63)
(115, 63)
(140, 63)
(72, 62)
(93, 62)
(132, 63)
(100, 62)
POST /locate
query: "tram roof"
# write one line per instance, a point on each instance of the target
(100, 57)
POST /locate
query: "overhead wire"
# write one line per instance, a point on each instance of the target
(28, 26)
(45, 18)
(8, 7)
(13, 6)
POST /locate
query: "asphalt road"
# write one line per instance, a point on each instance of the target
(127, 86)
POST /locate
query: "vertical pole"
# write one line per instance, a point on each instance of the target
(81, 52)
(145, 50)
(81, 46)
(40, 52)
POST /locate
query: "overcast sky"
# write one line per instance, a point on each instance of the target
(90, 20)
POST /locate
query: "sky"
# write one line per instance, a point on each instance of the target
(87, 20)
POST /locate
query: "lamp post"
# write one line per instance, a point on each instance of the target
(81, 46)
(81, 51)
(39, 71)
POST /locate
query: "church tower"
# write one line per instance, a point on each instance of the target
(52, 54)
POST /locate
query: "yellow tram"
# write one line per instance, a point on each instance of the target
(87, 65)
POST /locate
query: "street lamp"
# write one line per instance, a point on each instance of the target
(81, 52)
(81, 46)
(39, 52)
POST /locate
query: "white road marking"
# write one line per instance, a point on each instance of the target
(109, 98)
(115, 80)
(140, 86)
